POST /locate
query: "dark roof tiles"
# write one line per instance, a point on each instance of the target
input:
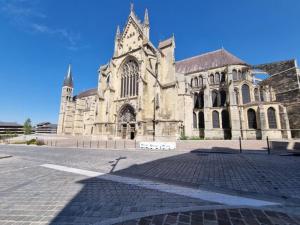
(207, 61)
(88, 93)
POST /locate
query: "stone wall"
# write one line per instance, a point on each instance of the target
(283, 79)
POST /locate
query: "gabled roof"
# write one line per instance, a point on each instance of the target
(207, 61)
(88, 93)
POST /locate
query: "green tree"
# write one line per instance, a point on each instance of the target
(27, 127)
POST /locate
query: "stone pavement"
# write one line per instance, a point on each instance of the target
(31, 194)
(242, 216)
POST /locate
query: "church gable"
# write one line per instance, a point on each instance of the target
(132, 37)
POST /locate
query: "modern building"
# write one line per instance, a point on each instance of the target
(11, 128)
(144, 93)
(46, 128)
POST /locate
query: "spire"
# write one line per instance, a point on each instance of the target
(68, 81)
(118, 33)
(146, 18)
(131, 7)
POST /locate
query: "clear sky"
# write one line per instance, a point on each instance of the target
(38, 39)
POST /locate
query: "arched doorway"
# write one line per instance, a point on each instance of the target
(127, 122)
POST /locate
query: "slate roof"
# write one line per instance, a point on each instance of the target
(88, 93)
(207, 61)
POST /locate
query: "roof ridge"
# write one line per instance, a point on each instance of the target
(196, 56)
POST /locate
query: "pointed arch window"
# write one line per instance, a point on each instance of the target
(196, 101)
(211, 79)
(251, 119)
(214, 98)
(217, 78)
(246, 94)
(225, 119)
(129, 78)
(201, 100)
(272, 118)
(201, 120)
(200, 81)
(223, 97)
(216, 121)
(196, 81)
(223, 77)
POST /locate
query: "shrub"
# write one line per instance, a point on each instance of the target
(31, 142)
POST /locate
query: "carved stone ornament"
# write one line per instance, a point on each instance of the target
(127, 115)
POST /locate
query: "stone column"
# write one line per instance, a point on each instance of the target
(207, 110)
(262, 121)
(233, 109)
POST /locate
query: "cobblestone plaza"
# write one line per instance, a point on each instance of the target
(43, 185)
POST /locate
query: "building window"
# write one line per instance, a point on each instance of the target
(216, 121)
(214, 98)
(196, 82)
(211, 78)
(225, 119)
(129, 79)
(194, 120)
(201, 120)
(246, 94)
(272, 118)
(234, 75)
(192, 80)
(196, 101)
(251, 119)
(217, 78)
(201, 100)
(223, 97)
(200, 81)
(223, 77)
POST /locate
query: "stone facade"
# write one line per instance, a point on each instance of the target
(144, 94)
(284, 79)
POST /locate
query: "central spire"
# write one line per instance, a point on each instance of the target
(69, 79)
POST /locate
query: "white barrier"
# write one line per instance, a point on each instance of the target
(158, 145)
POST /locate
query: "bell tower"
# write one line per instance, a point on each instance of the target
(66, 100)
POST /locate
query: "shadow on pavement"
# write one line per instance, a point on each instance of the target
(218, 169)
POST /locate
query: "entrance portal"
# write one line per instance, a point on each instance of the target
(127, 121)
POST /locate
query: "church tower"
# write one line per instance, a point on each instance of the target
(66, 104)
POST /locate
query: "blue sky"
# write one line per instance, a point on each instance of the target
(38, 39)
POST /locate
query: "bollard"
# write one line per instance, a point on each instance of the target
(77, 144)
(135, 143)
(106, 144)
(240, 140)
(98, 144)
(90, 144)
(115, 144)
(51, 142)
(268, 144)
(83, 143)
